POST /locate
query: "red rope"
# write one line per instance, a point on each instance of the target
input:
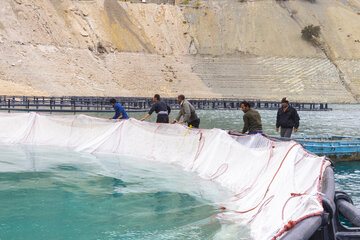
(268, 187)
(226, 165)
(213, 216)
(292, 223)
(158, 126)
(200, 147)
(266, 202)
(293, 195)
(216, 175)
(246, 190)
(303, 156)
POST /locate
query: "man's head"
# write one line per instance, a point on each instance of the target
(181, 98)
(285, 102)
(245, 106)
(112, 101)
(156, 97)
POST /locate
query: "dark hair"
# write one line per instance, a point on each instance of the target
(181, 96)
(246, 104)
(285, 100)
(157, 96)
(113, 100)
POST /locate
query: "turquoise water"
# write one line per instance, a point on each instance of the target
(47, 193)
(347, 178)
(343, 120)
(50, 193)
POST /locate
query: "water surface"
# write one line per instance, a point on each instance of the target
(49, 193)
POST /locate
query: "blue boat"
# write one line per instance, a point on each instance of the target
(337, 148)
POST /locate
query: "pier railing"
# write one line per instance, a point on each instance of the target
(133, 104)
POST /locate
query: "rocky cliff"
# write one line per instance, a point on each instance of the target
(225, 48)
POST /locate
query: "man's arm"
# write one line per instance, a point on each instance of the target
(177, 117)
(122, 112)
(296, 120)
(146, 116)
(169, 109)
(277, 121)
(246, 124)
(152, 109)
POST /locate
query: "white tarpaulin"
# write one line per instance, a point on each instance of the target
(275, 184)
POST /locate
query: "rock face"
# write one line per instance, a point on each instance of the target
(201, 49)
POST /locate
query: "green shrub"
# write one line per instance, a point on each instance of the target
(185, 2)
(310, 33)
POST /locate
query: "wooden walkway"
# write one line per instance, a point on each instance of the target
(77, 104)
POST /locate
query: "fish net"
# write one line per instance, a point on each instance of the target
(275, 184)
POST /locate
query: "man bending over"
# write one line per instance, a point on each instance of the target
(120, 112)
(188, 112)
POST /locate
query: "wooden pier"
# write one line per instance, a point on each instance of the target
(78, 104)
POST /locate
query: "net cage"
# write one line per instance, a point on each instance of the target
(275, 184)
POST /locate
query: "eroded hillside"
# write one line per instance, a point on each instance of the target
(202, 49)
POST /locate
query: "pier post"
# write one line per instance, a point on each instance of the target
(50, 106)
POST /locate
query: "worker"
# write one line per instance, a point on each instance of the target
(120, 112)
(287, 118)
(187, 111)
(252, 119)
(161, 108)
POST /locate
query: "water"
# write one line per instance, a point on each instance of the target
(49, 193)
(343, 120)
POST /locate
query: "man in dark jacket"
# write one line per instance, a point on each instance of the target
(162, 110)
(287, 118)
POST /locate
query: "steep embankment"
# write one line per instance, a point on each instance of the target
(217, 48)
(93, 48)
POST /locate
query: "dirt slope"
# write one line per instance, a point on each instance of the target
(108, 47)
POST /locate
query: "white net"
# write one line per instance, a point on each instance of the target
(275, 184)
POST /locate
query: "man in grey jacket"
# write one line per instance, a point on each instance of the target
(188, 112)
